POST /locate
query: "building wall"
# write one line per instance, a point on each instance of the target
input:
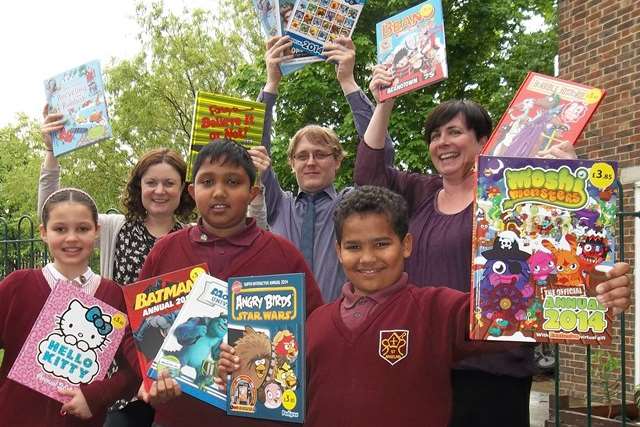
(599, 45)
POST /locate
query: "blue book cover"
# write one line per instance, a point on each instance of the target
(411, 45)
(79, 95)
(316, 22)
(266, 328)
(191, 349)
(543, 239)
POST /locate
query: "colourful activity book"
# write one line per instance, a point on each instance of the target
(221, 116)
(274, 16)
(153, 305)
(79, 95)
(266, 327)
(411, 45)
(545, 111)
(72, 342)
(543, 238)
(315, 22)
(191, 349)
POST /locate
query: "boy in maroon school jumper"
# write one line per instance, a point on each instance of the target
(231, 245)
(382, 354)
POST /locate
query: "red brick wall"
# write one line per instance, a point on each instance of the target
(600, 46)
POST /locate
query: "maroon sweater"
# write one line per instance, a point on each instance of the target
(22, 296)
(269, 254)
(351, 384)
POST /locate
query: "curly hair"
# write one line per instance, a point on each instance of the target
(369, 199)
(132, 197)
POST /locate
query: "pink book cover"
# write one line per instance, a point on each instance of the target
(73, 342)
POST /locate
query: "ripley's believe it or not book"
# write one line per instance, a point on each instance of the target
(224, 117)
(316, 22)
(274, 16)
(266, 328)
(191, 349)
(79, 95)
(153, 305)
(411, 45)
(543, 238)
(545, 111)
(72, 342)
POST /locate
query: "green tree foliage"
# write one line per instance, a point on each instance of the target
(491, 44)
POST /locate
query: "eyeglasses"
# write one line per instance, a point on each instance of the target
(317, 155)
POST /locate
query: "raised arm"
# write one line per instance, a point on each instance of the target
(343, 54)
(50, 171)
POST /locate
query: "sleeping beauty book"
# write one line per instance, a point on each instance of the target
(546, 111)
(72, 342)
(266, 327)
(543, 239)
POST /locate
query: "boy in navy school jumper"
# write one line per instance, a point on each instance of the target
(382, 353)
(231, 245)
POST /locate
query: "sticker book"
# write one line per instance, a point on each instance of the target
(315, 22)
(274, 16)
(545, 111)
(266, 326)
(153, 305)
(79, 95)
(411, 45)
(543, 238)
(191, 349)
(72, 342)
(221, 116)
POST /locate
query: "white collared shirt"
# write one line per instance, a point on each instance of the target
(87, 281)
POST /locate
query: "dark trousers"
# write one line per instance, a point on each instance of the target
(135, 414)
(481, 399)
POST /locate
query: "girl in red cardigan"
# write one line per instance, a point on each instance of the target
(70, 228)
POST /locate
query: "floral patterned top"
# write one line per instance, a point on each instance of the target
(132, 246)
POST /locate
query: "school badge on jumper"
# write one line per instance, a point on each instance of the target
(393, 345)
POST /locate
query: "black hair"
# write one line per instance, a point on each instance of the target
(226, 151)
(372, 199)
(74, 195)
(400, 54)
(474, 115)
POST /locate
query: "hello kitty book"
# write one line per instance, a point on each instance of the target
(72, 342)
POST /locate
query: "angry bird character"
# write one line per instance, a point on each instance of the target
(541, 265)
(272, 396)
(286, 377)
(504, 288)
(285, 346)
(594, 249)
(567, 263)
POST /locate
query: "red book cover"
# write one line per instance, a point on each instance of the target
(545, 111)
(153, 304)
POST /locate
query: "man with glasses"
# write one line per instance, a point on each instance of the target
(315, 155)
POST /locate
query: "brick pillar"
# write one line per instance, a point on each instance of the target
(600, 46)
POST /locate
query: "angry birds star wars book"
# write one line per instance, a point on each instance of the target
(191, 349)
(152, 305)
(79, 95)
(72, 342)
(266, 328)
(543, 238)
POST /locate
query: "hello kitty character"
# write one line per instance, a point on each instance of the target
(84, 327)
